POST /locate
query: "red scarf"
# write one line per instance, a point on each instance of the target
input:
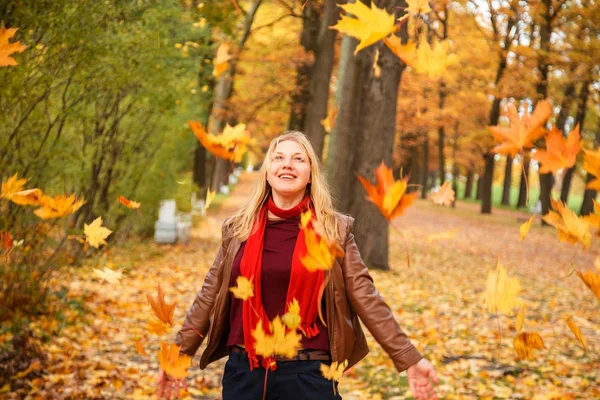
(304, 285)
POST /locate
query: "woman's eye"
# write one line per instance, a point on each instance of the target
(277, 158)
(299, 159)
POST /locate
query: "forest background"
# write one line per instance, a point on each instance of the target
(100, 101)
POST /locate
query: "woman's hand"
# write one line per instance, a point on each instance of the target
(168, 385)
(420, 376)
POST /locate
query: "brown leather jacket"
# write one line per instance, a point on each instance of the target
(349, 294)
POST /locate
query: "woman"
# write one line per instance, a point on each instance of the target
(263, 242)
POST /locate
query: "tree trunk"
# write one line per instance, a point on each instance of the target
(321, 75)
(308, 40)
(486, 185)
(442, 137)
(469, 185)
(587, 207)
(507, 181)
(479, 191)
(223, 92)
(369, 116)
(425, 166)
(523, 184)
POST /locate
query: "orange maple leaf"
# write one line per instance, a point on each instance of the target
(329, 121)
(577, 332)
(230, 145)
(559, 153)
(172, 362)
(522, 131)
(389, 195)
(59, 206)
(320, 251)
(6, 241)
(221, 60)
(129, 203)
(591, 163)
(591, 279)
(526, 342)
(140, 348)
(570, 227)
(444, 195)
(594, 219)
(6, 48)
(163, 310)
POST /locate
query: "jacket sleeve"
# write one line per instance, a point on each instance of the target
(372, 309)
(197, 320)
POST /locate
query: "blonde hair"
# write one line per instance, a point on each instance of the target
(243, 221)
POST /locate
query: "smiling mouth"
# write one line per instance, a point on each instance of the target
(287, 177)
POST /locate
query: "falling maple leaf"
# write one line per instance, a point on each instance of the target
(522, 131)
(406, 52)
(6, 241)
(526, 342)
(210, 196)
(520, 319)
(577, 332)
(433, 60)
(591, 163)
(172, 362)
(594, 219)
(418, 6)
(221, 61)
(570, 227)
(163, 310)
(280, 342)
(59, 206)
(12, 185)
(157, 327)
(442, 235)
(444, 195)
(129, 203)
(6, 48)
(95, 233)
(29, 197)
(329, 121)
(388, 195)
(334, 371)
(524, 229)
(291, 318)
(230, 145)
(140, 348)
(244, 289)
(501, 291)
(320, 252)
(109, 275)
(559, 153)
(591, 279)
(370, 25)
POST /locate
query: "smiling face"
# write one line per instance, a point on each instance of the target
(288, 173)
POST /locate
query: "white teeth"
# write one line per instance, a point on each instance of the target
(286, 177)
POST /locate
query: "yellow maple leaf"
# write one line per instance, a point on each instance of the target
(157, 327)
(280, 342)
(29, 197)
(292, 317)
(163, 310)
(334, 371)
(370, 25)
(12, 185)
(109, 275)
(560, 152)
(230, 145)
(129, 203)
(501, 291)
(320, 252)
(95, 233)
(526, 342)
(418, 6)
(520, 319)
(433, 60)
(6, 48)
(172, 362)
(594, 219)
(388, 195)
(59, 206)
(577, 332)
(591, 163)
(523, 131)
(570, 227)
(406, 52)
(265, 343)
(221, 60)
(524, 229)
(591, 279)
(210, 196)
(444, 196)
(244, 289)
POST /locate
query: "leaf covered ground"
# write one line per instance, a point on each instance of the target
(89, 351)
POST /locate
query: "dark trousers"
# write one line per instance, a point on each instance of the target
(292, 380)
